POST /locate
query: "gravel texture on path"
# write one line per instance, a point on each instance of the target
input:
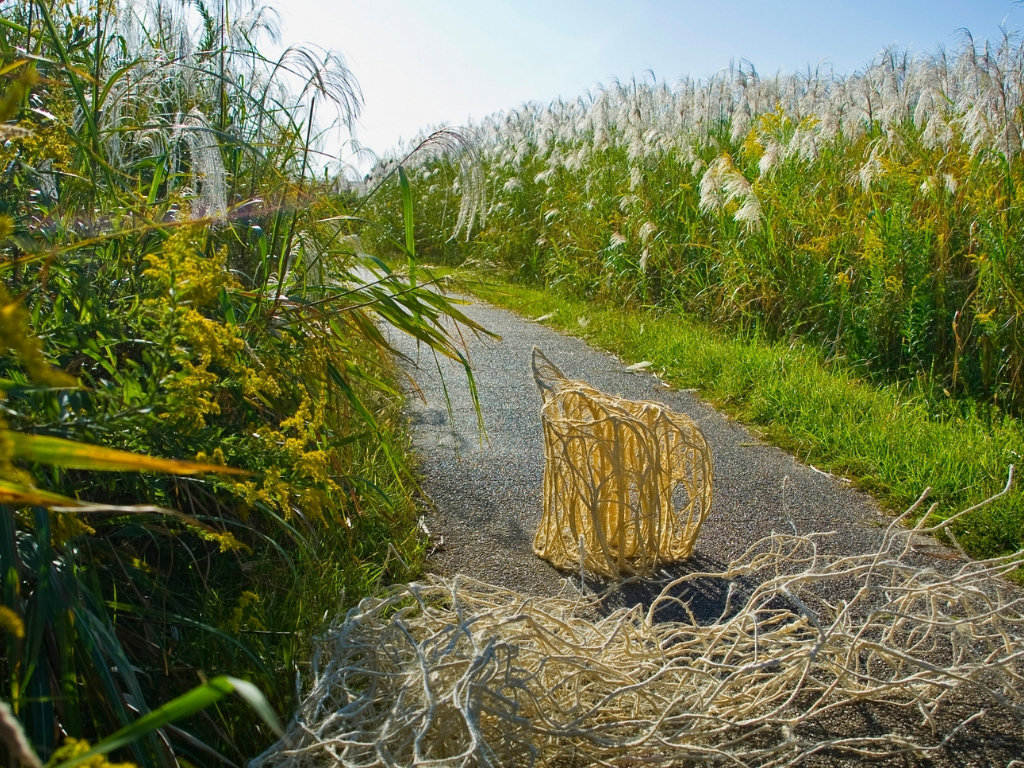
(485, 499)
(486, 488)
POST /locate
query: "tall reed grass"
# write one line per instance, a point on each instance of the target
(875, 216)
(177, 281)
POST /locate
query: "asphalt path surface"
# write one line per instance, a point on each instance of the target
(485, 487)
(484, 493)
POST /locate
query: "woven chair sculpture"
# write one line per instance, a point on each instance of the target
(611, 469)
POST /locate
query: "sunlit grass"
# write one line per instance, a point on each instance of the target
(885, 439)
(851, 240)
(876, 214)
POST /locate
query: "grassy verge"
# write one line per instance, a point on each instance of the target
(885, 440)
(177, 282)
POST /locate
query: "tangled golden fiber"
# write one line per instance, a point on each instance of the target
(611, 468)
(455, 672)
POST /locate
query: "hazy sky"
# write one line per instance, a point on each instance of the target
(430, 62)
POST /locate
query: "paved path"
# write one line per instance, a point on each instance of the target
(487, 489)
(486, 494)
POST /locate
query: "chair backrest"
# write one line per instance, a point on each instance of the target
(611, 466)
(549, 377)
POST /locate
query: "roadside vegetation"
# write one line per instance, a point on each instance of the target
(178, 280)
(837, 257)
(889, 441)
(201, 459)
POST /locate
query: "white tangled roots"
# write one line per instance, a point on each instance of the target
(455, 672)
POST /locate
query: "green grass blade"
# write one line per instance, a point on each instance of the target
(57, 451)
(187, 704)
(410, 239)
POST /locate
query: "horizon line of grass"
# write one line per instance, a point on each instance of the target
(883, 439)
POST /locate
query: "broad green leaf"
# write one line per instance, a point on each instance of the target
(410, 240)
(19, 494)
(14, 65)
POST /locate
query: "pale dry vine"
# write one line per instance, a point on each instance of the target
(611, 467)
(455, 672)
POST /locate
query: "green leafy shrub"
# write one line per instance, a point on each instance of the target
(174, 282)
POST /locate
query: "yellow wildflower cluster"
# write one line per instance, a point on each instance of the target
(192, 394)
(205, 351)
(314, 465)
(67, 526)
(272, 491)
(873, 247)
(225, 541)
(215, 457)
(261, 386)
(213, 342)
(211, 376)
(985, 316)
(182, 270)
(16, 337)
(73, 748)
(302, 422)
(86, 17)
(38, 140)
(308, 482)
(246, 613)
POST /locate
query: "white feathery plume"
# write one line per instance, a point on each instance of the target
(804, 144)
(772, 154)
(723, 183)
(749, 214)
(654, 141)
(644, 255)
(871, 169)
(712, 188)
(636, 177)
(571, 162)
(734, 183)
(937, 133)
(741, 122)
(209, 179)
(978, 130)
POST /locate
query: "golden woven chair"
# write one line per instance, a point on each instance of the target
(611, 468)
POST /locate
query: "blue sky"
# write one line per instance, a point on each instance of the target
(431, 62)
